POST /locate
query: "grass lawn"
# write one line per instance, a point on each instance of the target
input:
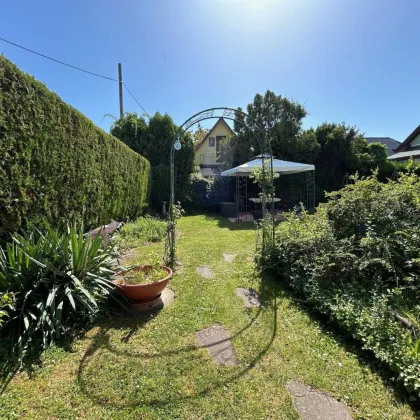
(150, 368)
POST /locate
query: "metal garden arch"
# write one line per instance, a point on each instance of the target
(263, 142)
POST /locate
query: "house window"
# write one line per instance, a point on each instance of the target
(219, 139)
(211, 141)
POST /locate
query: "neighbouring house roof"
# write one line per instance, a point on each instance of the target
(405, 155)
(390, 143)
(406, 143)
(210, 131)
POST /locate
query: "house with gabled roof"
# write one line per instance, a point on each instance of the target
(207, 150)
(409, 148)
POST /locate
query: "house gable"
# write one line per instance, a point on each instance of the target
(206, 150)
(416, 142)
(411, 142)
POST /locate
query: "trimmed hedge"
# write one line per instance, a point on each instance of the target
(55, 163)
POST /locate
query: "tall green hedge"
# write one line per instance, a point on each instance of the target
(55, 163)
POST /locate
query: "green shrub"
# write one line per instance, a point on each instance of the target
(206, 193)
(6, 302)
(161, 187)
(142, 231)
(57, 164)
(49, 283)
(381, 207)
(357, 260)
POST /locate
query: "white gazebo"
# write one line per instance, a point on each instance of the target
(280, 167)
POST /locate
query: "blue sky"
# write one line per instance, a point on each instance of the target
(346, 60)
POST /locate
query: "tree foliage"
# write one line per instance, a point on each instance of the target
(199, 134)
(281, 121)
(337, 150)
(307, 148)
(344, 151)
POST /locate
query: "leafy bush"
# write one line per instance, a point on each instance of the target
(142, 231)
(357, 260)
(58, 164)
(50, 282)
(204, 192)
(6, 302)
(161, 183)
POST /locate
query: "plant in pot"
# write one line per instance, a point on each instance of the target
(143, 283)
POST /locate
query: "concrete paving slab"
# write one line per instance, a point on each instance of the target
(217, 340)
(205, 272)
(316, 405)
(249, 296)
(228, 257)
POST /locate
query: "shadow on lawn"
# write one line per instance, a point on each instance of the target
(225, 223)
(10, 365)
(365, 358)
(101, 341)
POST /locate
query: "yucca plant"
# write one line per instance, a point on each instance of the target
(52, 281)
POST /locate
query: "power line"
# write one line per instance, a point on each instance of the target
(138, 103)
(57, 61)
(74, 67)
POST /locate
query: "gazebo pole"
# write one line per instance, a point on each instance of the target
(310, 190)
(272, 194)
(237, 197)
(246, 198)
(313, 189)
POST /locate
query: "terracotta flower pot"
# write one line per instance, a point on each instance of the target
(141, 293)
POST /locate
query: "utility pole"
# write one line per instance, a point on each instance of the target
(120, 85)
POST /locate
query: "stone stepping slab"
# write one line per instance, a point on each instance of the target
(316, 405)
(228, 257)
(217, 340)
(249, 296)
(205, 272)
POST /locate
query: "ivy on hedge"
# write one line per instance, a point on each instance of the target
(56, 164)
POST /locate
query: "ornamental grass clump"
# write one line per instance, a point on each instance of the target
(51, 283)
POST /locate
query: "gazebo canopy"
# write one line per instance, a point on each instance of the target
(279, 166)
